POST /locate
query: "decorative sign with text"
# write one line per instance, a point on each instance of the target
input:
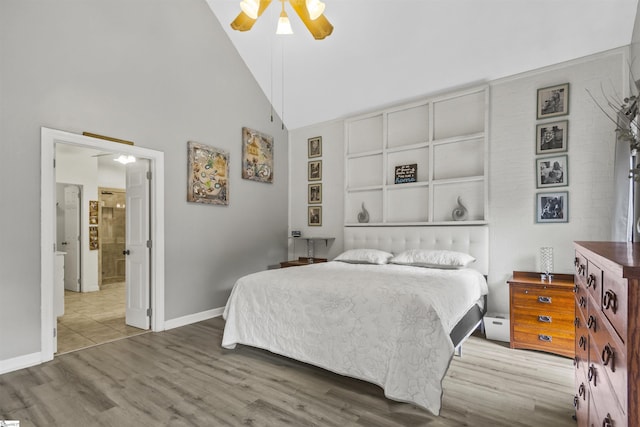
(406, 173)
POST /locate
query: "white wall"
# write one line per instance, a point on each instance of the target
(515, 238)
(155, 72)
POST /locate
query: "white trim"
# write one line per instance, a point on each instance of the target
(19, 362)
(193, 318)
(49, 137)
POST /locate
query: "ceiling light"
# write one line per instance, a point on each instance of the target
(284, 26)
(125, 159)
(250, 7)
(315, 8)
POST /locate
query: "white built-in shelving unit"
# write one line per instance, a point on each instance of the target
(446, 136)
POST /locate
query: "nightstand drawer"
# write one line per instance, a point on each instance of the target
(545, 340)
(545, 299)
(537, 318)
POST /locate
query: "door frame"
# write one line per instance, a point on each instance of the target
(48, 140)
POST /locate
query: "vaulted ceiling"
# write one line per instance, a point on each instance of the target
(383, 52)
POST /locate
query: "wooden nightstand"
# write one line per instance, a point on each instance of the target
(542, 313)
(301, 261)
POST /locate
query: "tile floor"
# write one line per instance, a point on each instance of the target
(93, 318)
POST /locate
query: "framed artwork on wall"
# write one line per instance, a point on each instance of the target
(257, 156)
(315, 146)
(552, 171)
(315, 170)
(552, 207)
(93, 212)
(553, 101)
(314, 194)
(551, 137)
(315, 215)
(94, 243)
(208, 174)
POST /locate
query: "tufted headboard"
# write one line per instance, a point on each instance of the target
(471, 239)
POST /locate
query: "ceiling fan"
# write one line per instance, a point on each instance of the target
(309, 11)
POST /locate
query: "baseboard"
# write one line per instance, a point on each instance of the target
(20, 362)
(193, 318)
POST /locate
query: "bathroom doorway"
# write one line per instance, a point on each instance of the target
(112, 232)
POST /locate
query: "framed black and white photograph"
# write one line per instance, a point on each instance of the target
(552, 172)
(315, 170)
(315, 215)
(315, 194)
(315, 147)
(553, 101)
(552, 207)
(551, 137)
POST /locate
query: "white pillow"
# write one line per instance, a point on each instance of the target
(364, 256)
(433, 258)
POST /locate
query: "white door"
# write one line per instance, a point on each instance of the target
(136, 249)
(71, 242)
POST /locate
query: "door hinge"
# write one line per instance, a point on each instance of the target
(148, 174)
(149, 244)
(55, 332)
(54, 163)
(148, 312)
(54, 247)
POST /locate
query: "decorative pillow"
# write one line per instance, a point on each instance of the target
(433, 258)
(364, 256)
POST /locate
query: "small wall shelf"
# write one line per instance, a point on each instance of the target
(446, 136)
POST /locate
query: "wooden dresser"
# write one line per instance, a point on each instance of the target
(542, 313)
(607, 342)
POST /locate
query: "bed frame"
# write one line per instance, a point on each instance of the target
(471, 239)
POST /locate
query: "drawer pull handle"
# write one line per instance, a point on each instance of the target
(592, 375)
(575, 361)
(581, 270)
(583, 301)
(582, 391)
(591, 281)
(545, 338)
(575, 402)
(608, 356)
(576, 262)
(610, 301)
(576, 322)
(591, 323)
(607, 421)
(544, 319)
(544, 300)
(583, 342)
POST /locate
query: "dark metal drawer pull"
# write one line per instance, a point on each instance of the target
(575, 402)
(544, 300)
(576, 261)
(608, 356)
(576, 322)
(610, 301)
(544, 319)
(607, 422)
(581, 270)
(582, 391)
(545, 338)
(583, 342)
(583, 301)
(591, 323)
(592, 375)
(591, 281)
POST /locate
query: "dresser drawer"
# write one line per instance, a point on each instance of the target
(582, 340)
(614, 304)
(604, 410)
(581, 398)
(580, 264)
(594, 282)
(544, 298)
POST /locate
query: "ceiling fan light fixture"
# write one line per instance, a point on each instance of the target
(315, 9)
(284, 26)
(250, 8)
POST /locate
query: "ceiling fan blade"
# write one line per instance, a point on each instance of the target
(244, 22)
(319, 28)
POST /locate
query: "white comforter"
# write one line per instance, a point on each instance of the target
(386, 324)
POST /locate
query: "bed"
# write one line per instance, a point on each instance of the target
(393, 325)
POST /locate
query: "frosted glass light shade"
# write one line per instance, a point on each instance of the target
(284, 26)
(250, 8)
(315, 9)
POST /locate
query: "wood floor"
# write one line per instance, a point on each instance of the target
(92, 318)
(183, 377)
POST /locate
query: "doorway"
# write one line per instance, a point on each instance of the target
(154, 165)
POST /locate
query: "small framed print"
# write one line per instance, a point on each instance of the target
(551, 137)
(553, 101)
(315, 194)
(315, 170)
(315, 215)
(552, 172)
(315, 147)
(552, 207)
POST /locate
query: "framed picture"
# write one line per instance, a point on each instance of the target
(208, 174)
(315, 194)
(94, 243)
(553, 101)
(315, 146)
(551, 137)
(257, 156)
(552, 172)
(315, 170)
(93, 212)
(552, 207)
(315, 215)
